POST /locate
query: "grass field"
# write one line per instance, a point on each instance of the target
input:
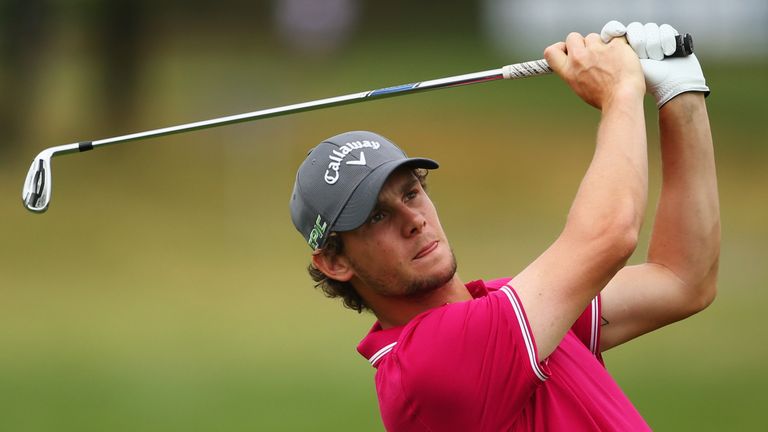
(164, 289)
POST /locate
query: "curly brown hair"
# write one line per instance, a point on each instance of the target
(333, 288)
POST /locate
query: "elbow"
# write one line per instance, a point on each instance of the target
(624, 231)
(627, 239)
(696, 296)
(708, 297)
(608, 235)
(612, 242)
(618, 245)
(707, 290)
(620, 237)
(697, 302)
(708, 284)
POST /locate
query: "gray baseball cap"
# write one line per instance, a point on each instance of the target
(338, 183)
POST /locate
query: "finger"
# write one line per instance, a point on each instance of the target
(612, 29)
(636, 38)
(668, 43)
(556, 55)
(574, 43)
(620, 40)
(653, 42)
(593, 39)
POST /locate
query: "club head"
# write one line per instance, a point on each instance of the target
(36, 194)
(37, 186)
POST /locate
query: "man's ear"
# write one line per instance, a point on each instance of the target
(334, 266)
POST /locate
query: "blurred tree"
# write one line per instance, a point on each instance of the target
(423, 17)
(24, 32)
(114, 31)
(118, 30)
(114, 38)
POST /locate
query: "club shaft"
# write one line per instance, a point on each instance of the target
(684, 46)
(514, 71)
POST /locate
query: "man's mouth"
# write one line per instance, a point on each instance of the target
(426, 250)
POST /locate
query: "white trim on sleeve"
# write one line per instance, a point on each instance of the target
(381, 353)
(595, 327)
(527, 337)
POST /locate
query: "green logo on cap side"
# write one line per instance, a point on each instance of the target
(316, 236)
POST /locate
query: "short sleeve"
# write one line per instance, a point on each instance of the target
(456, 362)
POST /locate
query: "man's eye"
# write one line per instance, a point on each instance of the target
(377, 217)
(411, 195)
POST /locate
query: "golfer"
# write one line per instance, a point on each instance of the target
(524, 353)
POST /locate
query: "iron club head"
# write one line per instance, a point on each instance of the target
(36, 194)
(37, 187)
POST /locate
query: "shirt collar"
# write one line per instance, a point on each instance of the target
(380, 341)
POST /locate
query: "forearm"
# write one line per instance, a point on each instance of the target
(686, 232)
(613, 193)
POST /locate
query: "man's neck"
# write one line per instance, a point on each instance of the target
(398, 311)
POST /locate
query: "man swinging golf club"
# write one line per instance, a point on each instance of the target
(524, 353)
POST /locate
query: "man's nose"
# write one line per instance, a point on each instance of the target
(414, 221)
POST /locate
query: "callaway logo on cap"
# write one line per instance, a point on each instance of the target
(338, 183)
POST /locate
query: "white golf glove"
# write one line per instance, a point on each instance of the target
(667, 77)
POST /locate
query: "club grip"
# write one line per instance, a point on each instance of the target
(683, 46)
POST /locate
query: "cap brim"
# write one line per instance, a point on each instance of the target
(365, 196)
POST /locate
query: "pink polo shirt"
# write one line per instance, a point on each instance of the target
(471, 366)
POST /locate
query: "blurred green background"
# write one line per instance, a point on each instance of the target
(165, 287)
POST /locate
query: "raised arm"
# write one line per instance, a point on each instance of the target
(679, 277)
(605, 217)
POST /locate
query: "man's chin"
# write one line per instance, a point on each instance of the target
(429, 283)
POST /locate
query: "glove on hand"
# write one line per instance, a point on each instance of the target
(665, 78)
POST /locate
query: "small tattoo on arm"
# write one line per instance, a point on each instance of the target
(603, 321)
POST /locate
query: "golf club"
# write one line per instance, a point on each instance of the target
(36, 194)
